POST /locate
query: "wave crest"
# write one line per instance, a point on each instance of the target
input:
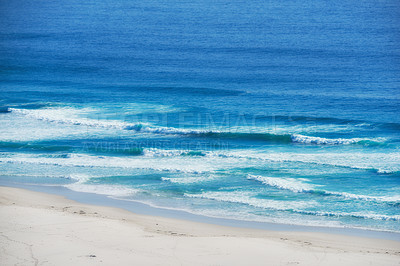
(283, 183)
(297, 138)
(298, 186)
(59, 116)
(293, 207)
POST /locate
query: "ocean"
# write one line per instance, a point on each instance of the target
(266, 111)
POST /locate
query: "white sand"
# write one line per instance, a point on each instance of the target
(44, 229)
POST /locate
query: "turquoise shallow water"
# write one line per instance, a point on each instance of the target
(250, 111)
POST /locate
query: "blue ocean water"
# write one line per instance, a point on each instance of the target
(262, 111)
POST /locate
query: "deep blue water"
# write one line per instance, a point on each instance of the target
(261, 111)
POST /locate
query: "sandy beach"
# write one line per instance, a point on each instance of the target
(45, 229)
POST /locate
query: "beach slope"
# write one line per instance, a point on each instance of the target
(44, 229)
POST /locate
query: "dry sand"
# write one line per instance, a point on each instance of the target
(45, 229)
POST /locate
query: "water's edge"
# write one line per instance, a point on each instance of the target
(144, 209)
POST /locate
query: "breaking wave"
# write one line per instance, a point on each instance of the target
(299, 207)
(58, 116)
(298, 186)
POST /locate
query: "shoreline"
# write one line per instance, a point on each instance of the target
(146, 209)
(45, 227)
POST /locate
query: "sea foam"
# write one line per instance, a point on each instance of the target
(298, 186)
(73, 116)
(297, 138)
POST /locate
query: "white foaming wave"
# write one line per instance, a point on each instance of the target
(389, 199)
(283, 183)
(297, 186)
(174, 164)
(109, 190)
(15, 128)
(379, 162)
(36, 175)
(371, 215)
(70, 116)
(188, 179)
(287, 129)
(297, 138)
(141, 108)
(154, 152)
(73, 116)
(81, 178)
(388, 170)
(295, 207)
(248, 199)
